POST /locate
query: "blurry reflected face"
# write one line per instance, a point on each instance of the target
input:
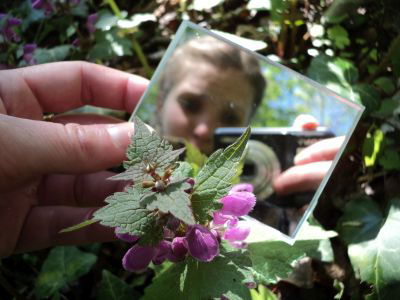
(203, 99)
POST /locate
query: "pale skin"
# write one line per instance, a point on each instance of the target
(52, 174)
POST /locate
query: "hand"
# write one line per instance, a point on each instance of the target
(311, 166)
(52, 173)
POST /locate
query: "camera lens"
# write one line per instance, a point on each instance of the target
(261, 167)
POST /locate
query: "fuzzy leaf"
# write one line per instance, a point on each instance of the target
(124, 211)
(173, 200)
(147, 148)
(113, 288)
(215, 178)
(225, 275)
(63, 265)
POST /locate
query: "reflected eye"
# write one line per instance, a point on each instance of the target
(190, 105)
(231, 119)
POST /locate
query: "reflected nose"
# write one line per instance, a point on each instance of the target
(203, 133)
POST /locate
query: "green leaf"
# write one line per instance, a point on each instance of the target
(372, 147)
(80, 10)
(63, 265)
(387, 108)
(337, 74)
(147, 148)
(225, 275)
(368, 95)
(106, 20)
(390, 159)
(78, 226)
(194, 157)
(113, 288)
(173, 200)
(58, 53)
(215, 178)
(183, 171)
(124, 211)
(109, 44)
(375, 249)
(361, 220)
(339, 36)
(385, 84)
(262, 293)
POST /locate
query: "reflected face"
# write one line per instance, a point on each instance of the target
(203, 99)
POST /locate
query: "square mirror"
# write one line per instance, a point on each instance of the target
(207, 89)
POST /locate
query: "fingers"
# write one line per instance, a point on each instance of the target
(323, 150)
(62, 86)
(85, 119)
(302, 178)
(32, 148)
(78, 190)
(43, 224)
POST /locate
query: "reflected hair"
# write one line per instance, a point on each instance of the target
(220, 54)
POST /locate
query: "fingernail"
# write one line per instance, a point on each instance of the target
(121, 134)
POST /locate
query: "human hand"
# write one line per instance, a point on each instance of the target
(310, 167)
(52, 173)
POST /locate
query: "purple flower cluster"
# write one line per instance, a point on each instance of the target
(201, 242)
(29, 50)
(8, 28)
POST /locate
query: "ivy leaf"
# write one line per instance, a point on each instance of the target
(113, 288)
(385, 84)
(63, 265)
(124, 211)
(173, 200)
(390, 160)
(374, 247)
(147, 148)
(215, 178)
(226, 275)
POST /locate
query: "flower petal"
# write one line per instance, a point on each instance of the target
(126, 237)
(237, 233)
(238, 203)
(163, 252)
(202, 243)
(137, 258)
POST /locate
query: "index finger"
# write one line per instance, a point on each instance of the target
(62, 86)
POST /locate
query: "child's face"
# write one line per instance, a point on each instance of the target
(203, 99)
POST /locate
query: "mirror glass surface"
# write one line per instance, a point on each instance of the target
(207, 89)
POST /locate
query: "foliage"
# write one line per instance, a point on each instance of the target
(352, 47)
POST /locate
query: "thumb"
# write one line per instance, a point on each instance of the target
(31, 148)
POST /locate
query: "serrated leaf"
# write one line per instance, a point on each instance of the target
(63, 265)
(124, 211)
(113, 288)
(173, 200)
(147, 148)
(183, 171)
(375, 250)
(215, 178)
(225, 275)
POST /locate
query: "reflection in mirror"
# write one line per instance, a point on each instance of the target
(207, 89)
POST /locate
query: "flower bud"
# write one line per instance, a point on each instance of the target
(163, 252)
(179, 249)
(202, 243)
(137, 258)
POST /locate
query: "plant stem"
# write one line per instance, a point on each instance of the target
(142, 58)
(114, 8)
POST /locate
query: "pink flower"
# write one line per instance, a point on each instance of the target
(238, 203)
(91, 21)
(179, 249)
(237, 233)
(126, 237)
